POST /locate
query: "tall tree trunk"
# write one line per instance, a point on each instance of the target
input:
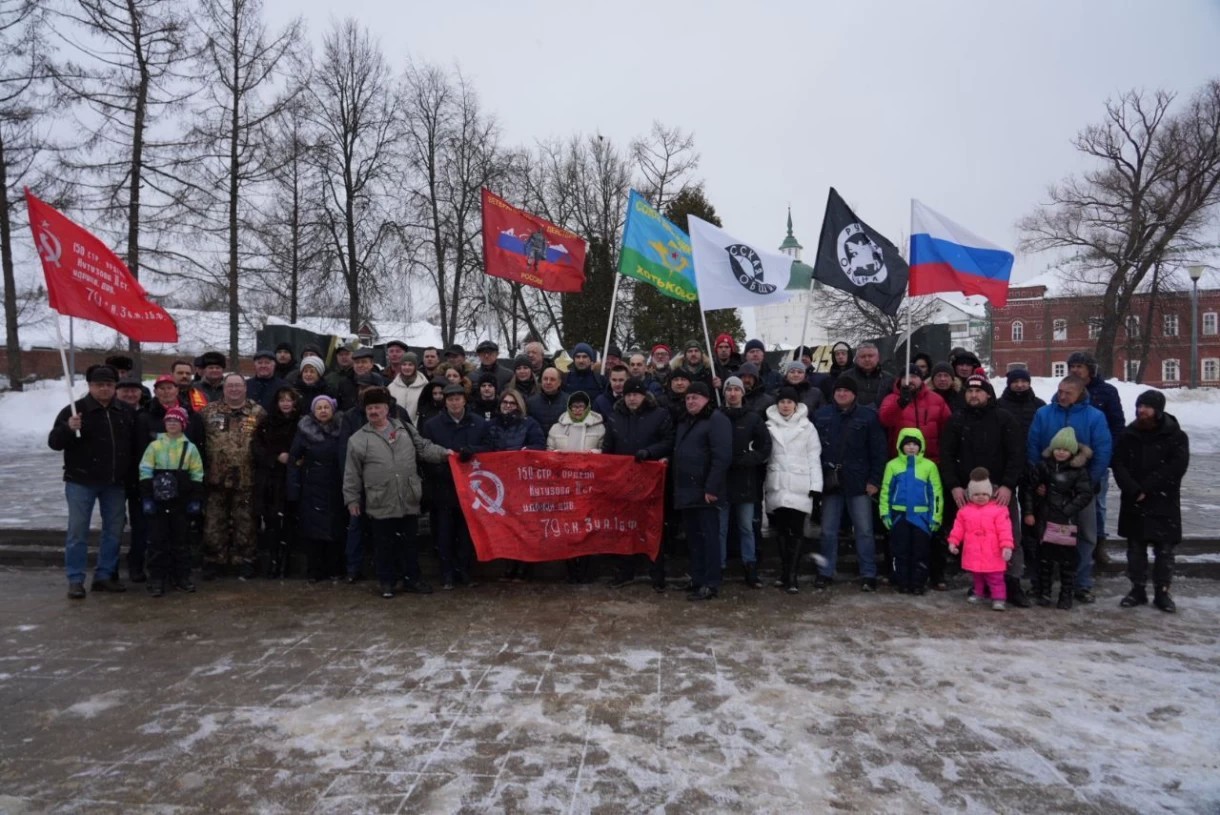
(234, 170)
(137, 168)
(11, 343)
(353, 270)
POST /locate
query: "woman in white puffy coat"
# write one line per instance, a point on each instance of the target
(794, 478)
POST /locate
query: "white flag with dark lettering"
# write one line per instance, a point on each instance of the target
(732, 273)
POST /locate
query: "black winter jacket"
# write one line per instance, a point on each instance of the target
(1151, 462)
(1022, 406)
(468, 432)
(872, 387)
(981, 437)
(1068, 489)
(702, 454)
(759, 399)
(649, 429)
(514, 432)
(263, 391)
(751, 449)
(546, 410)
(272, 436)
(315, 479)
(150, 423)
(854, 441)
(107, 451)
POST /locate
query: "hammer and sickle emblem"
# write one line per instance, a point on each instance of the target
(49, 246)
(493, 504)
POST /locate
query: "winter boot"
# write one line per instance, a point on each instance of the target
(1016, 595)
(1163, 601)
(752, 576)
(1138, 596)
(794, 561)
(1065, 595)
(156, 587)
(1046, 577)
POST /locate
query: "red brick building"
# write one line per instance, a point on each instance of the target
(1038, 331)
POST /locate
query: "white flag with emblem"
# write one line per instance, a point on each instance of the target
(732, 273)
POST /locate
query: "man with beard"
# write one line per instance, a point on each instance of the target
(981, 435)
(1150, 460)
(695, 366)
(229, 529)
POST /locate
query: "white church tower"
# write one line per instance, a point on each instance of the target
(780, 326)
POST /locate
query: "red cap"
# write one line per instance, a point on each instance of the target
(165, 378)
(661, 345)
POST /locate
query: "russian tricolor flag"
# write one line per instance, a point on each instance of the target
(945, 256)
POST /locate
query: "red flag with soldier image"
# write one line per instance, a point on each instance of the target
(525, 249)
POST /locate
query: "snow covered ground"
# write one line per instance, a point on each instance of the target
(268, 697)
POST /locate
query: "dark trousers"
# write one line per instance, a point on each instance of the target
(169, 552)
(396, 548)
(275, 540)
(453, 541)
(136, 551)
(625, 565)
(1051, 555)
(702, 526)
(1137, 562)
(910, 546)
(357, 534)
(325, 558)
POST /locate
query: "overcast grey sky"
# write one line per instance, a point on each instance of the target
(967, 106)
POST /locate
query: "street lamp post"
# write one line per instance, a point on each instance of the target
(1195, 273)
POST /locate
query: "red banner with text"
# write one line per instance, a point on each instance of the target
(536, 506)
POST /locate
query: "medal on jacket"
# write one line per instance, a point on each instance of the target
(393, 436)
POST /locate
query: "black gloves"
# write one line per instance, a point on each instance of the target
(641, 455)
(465, 454)
(815, 495)
(906, 395)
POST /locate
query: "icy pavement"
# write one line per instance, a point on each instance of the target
(267, 697)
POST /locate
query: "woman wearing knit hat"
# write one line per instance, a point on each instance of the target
(982, 533)
(1058, 488)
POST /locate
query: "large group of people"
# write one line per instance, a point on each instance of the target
(336, 461)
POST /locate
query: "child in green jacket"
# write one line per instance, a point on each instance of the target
(171, 485)
(912, 505)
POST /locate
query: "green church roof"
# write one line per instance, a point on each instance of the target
(790, 242)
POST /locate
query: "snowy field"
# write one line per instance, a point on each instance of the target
(31, 474)
(263, 697)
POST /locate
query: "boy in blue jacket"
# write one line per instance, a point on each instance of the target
(912, 506)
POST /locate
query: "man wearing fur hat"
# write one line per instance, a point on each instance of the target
(1150, 459)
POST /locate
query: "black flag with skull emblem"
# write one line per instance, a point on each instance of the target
(858, 259)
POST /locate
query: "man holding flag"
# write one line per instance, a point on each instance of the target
(97, 433)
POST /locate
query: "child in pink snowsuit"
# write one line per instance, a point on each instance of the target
(983, 534)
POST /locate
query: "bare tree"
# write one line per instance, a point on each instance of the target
(855, 320)
(128, 83)
(21, 108)
(358, 116)
(665, 160)
(1157, 176)
(243, 64)
(452, 153)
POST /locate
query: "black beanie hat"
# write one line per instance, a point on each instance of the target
(635, 385)
(788, 392)
(1153, 399)
(942, 368)
(1017, 374)
(847, 383)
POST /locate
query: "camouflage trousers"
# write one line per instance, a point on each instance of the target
(229, 535)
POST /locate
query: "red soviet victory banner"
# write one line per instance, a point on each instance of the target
(534, 506)
(87, 280)
(525, 249)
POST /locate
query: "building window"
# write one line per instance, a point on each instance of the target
(1170, 328)
(1133, 325)
(1094, 329)
(1211, 369)
(1018, 331)
(1210, 323)
(1060, 328)
(1169, 370)
(1059, 369)
(1133, 369)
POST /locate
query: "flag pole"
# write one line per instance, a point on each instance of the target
(906, 372)
(805, 325)
(610, 323)
(711, 356)
(63, 357)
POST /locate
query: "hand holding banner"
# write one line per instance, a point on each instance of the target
(536, 506)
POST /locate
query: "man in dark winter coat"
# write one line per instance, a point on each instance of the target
(1104, 397)
(676, 387)
(943, 384)
(751, 449)
(98, 441)
(768, 378)
(489, 353)
(854, 456)
(637, 427)
(550, 402)
(872, 383)
(840, 360)
(604, 402)
(457, 428)
(727, 360)
(265, 384)
(211, 386)
(1150, 459)
(1020, 400)
(696, 366)
(702, 455)
(757, 397)
(285, 361)
(581, 376)
(982, 435)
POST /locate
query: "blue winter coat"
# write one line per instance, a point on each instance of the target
(469, 432)
(263, 391)
(514, 433)
(703, 450)
(648, 428)
(1104, 397)
(546, 410)
(854, 441)
(588, 381)
(315, 478)
(1089, 424)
